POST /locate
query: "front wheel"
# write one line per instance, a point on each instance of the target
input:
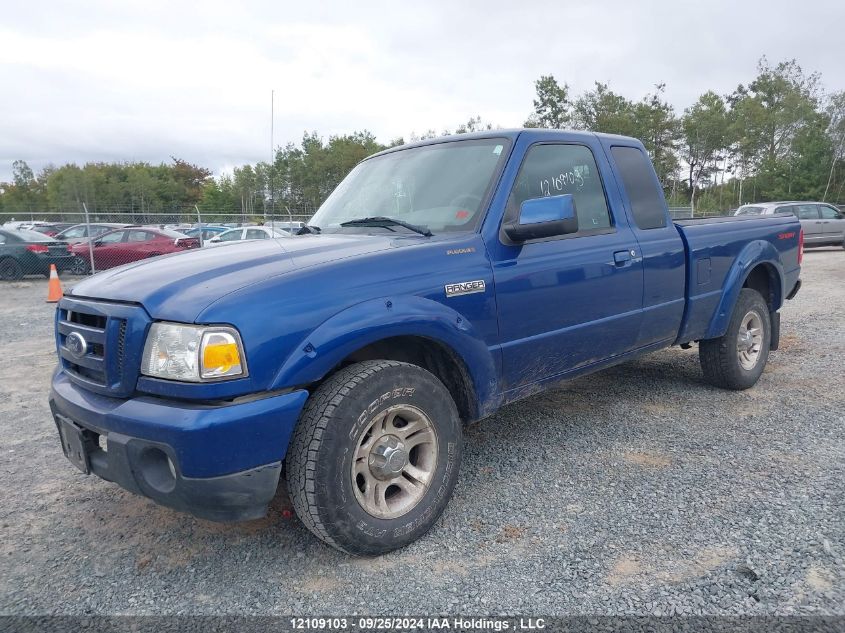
(737, 359)
(10, 269)
(375, 457)
(79, 266)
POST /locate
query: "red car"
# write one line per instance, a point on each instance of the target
(128, 245)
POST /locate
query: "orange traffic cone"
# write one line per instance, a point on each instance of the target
(54, 287)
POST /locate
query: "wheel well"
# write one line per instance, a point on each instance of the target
(763, 279)
(432, 356)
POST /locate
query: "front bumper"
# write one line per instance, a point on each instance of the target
(216, 462)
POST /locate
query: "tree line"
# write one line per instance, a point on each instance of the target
(779, 136)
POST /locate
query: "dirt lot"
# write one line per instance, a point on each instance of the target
(636, 490)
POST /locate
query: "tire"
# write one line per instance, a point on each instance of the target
(10, 269)
(737, 359)
(79, 266)
(350, 444)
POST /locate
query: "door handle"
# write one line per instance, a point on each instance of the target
(623, 258)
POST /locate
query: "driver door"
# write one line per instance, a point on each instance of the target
(568, 301)
(107, 250)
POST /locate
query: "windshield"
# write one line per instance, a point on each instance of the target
(440, 187)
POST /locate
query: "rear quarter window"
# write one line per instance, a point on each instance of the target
(640, 183)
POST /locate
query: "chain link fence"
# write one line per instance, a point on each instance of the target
(83, 243)
(680, 213)
(80, 243)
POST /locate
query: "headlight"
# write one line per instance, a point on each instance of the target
(193, 353)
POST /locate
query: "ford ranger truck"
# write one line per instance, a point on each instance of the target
(437, 283)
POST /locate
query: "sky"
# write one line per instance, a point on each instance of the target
(149, 80)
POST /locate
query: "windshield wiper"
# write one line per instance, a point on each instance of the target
(307, 228)
(382, 221)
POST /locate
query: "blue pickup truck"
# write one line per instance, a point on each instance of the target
(438, 282)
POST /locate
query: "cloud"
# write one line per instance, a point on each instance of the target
(149, 80)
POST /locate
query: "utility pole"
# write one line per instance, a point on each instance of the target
(272, 154)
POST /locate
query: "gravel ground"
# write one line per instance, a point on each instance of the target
(636, 490)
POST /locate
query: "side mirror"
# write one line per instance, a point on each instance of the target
(544, 217)
(215, 240)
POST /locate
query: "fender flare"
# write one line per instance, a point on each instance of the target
(377, 319)
(754, 254)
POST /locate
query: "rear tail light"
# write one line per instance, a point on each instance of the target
(37, 248)
(801, 246)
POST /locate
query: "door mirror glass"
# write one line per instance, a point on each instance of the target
(544, 217)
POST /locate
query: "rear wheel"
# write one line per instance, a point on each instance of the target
(737, 359)
(10, 269)
(375, 456)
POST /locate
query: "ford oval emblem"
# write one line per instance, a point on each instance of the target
(76, 344)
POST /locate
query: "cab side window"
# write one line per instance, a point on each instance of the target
(139, 236)
(78, 231)
(555, 170)
(808, 212)
(256, 234)
(640, 183)
(112, 238)
(231, 236)
(828, 213)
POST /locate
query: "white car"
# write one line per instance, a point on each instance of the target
(242, 234)
(289, 226)
(823, 223)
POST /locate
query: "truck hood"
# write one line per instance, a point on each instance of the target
(178, 287)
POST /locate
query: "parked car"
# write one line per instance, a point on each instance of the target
(246, 233)
(30, 224)
(79, 233)
(128, 245)
(208, 232)
(15, 225)
(354, 355)
(291, 226)
(25, 252)
(52, 230)
(823, 224)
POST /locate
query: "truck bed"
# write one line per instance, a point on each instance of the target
(716, 250)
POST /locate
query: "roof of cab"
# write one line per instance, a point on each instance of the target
(510, 134)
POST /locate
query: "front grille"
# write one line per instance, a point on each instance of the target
(82, 318)
(89, 364)
(113, 334)
(121, 345)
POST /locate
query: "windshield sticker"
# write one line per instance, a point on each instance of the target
(498, 149)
